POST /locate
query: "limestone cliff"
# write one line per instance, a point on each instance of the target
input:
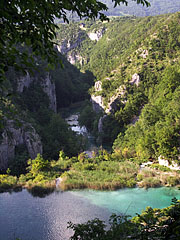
(68, 48)
(49, 88)
(45, 81)
(70, 44)
(24, 81)
(13, 136)
(96, 35)
(98, 101)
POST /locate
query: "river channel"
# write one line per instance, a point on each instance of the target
(33, 218)
(72, 121)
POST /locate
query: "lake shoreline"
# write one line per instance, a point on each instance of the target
(47, 187)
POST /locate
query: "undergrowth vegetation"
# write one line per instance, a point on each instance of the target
(103, 171)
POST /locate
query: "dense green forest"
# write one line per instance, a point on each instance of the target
(144, 116)
(135, 62)
(124, 76)
(150, 224)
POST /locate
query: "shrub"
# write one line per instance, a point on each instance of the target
(139, 177)
(150, 182)
(172, 181)
(7, 182)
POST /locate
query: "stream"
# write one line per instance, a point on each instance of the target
(72, 121)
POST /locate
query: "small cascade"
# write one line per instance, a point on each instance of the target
(72, 121)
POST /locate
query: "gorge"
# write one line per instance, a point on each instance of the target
(120, 78)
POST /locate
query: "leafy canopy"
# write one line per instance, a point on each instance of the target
(31, 23)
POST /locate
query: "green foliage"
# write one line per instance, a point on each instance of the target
(99, 172)
(150, 224)
(160, 167)
(157, 131)
(71, 84)
(7, 182)
(88, 117)
(18, 165)
(33, 105)
(173, 180)
(37, 165)
(27, 23)
(57, 135)
(92, 230)
(141, 113)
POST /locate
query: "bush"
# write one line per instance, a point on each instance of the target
(139, 177)
(7, 182)
(38, 164)
(150, 182)
(173, 181)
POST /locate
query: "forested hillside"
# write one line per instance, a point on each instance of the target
(136, 65)
(115, 81)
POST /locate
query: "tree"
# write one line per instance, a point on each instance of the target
(38, 164)
(31, 23)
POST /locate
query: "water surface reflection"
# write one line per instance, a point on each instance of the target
(33, 218)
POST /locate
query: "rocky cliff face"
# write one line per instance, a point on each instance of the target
(23, 82)
(96, 35)
(13, 136)
(68, 47)
(97, 99)
(47, 84)
(49, 88)
(74, 57)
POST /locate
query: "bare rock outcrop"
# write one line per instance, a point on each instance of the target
(97, 100)
(97, 103)
(45, 81)
(100, 123)
(135, 79)
(114, 99)
(68, 47)
(74, 57)
(96, 35)
(13, 136)
(49, 88)
(24, 81)
(164, 162)
(98, 86)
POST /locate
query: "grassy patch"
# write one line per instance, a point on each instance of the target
(106, 175)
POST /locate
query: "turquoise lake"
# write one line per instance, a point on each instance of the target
(33, 218)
